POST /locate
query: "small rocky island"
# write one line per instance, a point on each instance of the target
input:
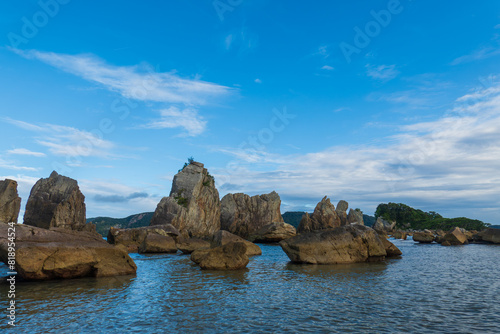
(56, 242)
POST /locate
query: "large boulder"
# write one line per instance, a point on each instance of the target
(491, 235)
(345, 244)
(383, 226)
(56, 202)
(390, 248)
(355, 217)
(157, 243)
(455, 237)
(193, 206)
(400, 235)
(133, 238)
(231, 256)
(244, 215)
(10, 202)
(274, 232)
(341, 210)
(425, 237)
(220, 238)
(323, 217)
(187, 246)
(43, 254)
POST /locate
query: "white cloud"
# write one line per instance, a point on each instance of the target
(382, 72)
(67, 141)
(12, 166)
(24, 151)
(173, 117)
(327, 68)
(228, 41)
(258, 81)
(449, 165)
(480, 54)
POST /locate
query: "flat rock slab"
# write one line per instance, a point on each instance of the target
(231, 256)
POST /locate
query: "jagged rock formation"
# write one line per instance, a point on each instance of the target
(345, 244)
(355, 217)
(56, 202)
(244, 215)
(274, 232)
(231, 256)
(455, 237)
(10, 202)
(133, 238)
(341, 210)
(390, 248)
(323, 217)
(382, 225)
(193, 206)
(43, 254)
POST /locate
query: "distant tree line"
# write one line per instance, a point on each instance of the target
(407, 217)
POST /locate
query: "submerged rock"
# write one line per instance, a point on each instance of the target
(43, 254)
(425, 237)
(224, 237)
(231, 256)
(323, 217)
(133, 238)
(345, 244)
(56, 202)
(193, 206)
(10, 202)
(244, 215)
(274, 232)
(157, 243)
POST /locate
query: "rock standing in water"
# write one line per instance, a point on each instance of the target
(324, 217)
(10, 202)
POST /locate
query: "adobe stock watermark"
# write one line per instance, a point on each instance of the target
(32, 25)
(278, 123)
(363, 37)
(223, 6)
(11, 280)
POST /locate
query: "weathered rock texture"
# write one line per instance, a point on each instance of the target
(56, 202)
(187, 246)
(400, 235)
(244, 215)
(193, 205)
(323, 217)
(222, 237)
(345, 244)
(274, 232)
(382, 225)
(341, 210)
(61, 253)
(390, 248)
(425, 237)
(157, 243)
(455, 237)
(231, 256)
(10, 202)
(355, 217)
(133, 238)
(491, 235)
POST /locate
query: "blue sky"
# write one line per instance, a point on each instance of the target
(367, 101)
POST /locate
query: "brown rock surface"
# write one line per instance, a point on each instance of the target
(10, 202)
(355, 217)
(400, 235)
(390, 248)
(187, 246)
(455, 237)
(193, 206)
(274, 232)
(222, 237)
(345, 244)
(43, 254)
(425, 237)
(491, 235)
(244, 215)
(383, 225)
(56, 202)
(133, 238)
(323, 217)
(341, 210)
(157, 243)
(231, 256)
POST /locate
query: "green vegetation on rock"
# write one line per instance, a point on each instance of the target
(407, 217)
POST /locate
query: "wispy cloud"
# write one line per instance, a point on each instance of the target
(480, 54)
(24, 151)
(382, 72)
(67, 141)
(327, 68)
(4, 164)
(174, 117)
(258, 81)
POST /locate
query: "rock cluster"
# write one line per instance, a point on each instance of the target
(490, 235)
(43, 254)
(345, 244)
(324, 217)
(193, 206)
(10, 202)
(383, 226)
(274, 232)
(230, 256)
(220, 238)
(355, 217)
(244, 215)
(134, 239)
(56, 202)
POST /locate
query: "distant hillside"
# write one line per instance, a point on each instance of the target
(293, 217)
(368, 220)
(104, 223)
(495, 226)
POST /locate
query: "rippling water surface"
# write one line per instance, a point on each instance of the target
(431, 289)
